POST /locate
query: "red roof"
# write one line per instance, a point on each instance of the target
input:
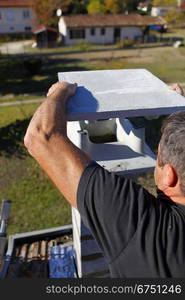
(42, 28)
(112, 20)
(15, 3)
(182, 5)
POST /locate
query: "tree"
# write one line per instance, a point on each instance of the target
(78, 6)
(96, 7)
(45, 10)
(129, 5)
(122, 6)
(174, 16)
(164, 3)
(112, 6)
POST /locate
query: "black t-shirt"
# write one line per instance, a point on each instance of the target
(139, 235)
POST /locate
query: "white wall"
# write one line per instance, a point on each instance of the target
(98, 38)
(62, 27)
(94, 39)
(159, 11)
(130, 32)
(108, 38)
(18, 23)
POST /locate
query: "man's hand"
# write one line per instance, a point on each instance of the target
(50, 117)
(62, 87)
(177, 88)
(46, 140)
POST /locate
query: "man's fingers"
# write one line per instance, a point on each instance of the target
(177, 88)
(74, 87)
(56, 86)
(52, 89)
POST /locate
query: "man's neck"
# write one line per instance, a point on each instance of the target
(175, 195)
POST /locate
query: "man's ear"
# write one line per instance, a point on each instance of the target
(170, 177)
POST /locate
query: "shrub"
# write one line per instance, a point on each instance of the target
(10, 37)
(33, 65)
(83, 46)
(125, 44)
(11, 68)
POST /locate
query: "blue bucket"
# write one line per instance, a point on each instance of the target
(62, 262)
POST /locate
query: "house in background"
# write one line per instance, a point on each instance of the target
(105, 29)
(45, 36)
(157, 11)
(16, 16)
(182, 5)
(144, 6)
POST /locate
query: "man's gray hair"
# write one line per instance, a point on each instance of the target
(172, 145)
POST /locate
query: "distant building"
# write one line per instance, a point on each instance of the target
(180, 2)
(160, 11)
(144, 6)
(16, 16)
(182, 5)
(105, 29)
(45, 36)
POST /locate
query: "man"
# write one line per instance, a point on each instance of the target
(140, 235)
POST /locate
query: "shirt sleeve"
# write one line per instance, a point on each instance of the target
(112, 206)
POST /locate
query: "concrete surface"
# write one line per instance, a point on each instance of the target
(119, 93)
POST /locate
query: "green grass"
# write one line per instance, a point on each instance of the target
(81, 47)
(177, 32)
(164, 62)
(165, 72)
(36, 203)
(39, 83)
(10, 114)
(168, 70)
(168, 65)
(12, 98)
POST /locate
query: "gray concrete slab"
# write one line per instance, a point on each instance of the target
(123, 160)
(119, 93)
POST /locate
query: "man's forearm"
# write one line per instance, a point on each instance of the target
(63, 162)
(47, 141)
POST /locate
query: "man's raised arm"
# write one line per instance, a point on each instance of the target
(46, 140)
